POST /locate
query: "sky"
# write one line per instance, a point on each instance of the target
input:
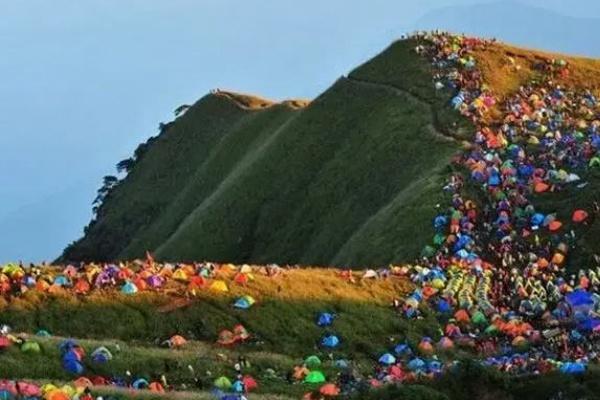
(82, 83)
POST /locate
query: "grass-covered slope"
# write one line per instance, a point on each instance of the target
(322, 183)
(351, 178)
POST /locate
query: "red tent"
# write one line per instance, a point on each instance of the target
(249, 383)
(580, 216)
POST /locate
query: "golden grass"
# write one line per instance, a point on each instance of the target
(322, 284)
(291, 285)
(252, 102)
(504, 77)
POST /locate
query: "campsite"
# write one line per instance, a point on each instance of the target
(427, 228)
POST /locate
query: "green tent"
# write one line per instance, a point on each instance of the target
(223, 383)
(427, 251)
(314, 377)
(31, 347)
(479, 318)
(312, 362)
(492, 330)
(439, 239)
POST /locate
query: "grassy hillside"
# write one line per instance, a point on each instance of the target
(282, 325)
(349, 179)
(243, 179)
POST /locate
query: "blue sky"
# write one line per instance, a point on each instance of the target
(83, 82)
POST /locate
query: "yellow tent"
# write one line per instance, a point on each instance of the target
(219, 286)
(180, 275)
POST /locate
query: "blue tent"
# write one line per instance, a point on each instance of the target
(494, 180)
(242, 303)
(416, 364)
(330, 341)
(387, 359)
(129, 288)
(537, 219)
(462, 253)
(73, 367)
(572, 368)
(443, 306)
(140, 383)
(579, 298)
(61, 281)
(29, 281)
(458, 100)
(6, 395)
(238, 386)
(440, 221)
(100, 358)
(230, 397)
(325, 319)
(341, 363)
(402, 349)
(588, 324)
(525, 171)
(67, 345)
(477, 176)
(435, 366)
(71, 356)
(462, 242)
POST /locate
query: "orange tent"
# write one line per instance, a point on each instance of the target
(329, 389)
(462, 316)
(543, 263)
(429, 291)
(197, 281)
(82, 287)
(226, 338)
(178, 341)
(42, 285)
(580, 216)
(156, 387)
(558, 258)
(241, 279)
(125, 273)
(83, 382)
(541, 187)
(425, 347)
(554, 225)
(58, 395)
(300, 373)
(141, 284)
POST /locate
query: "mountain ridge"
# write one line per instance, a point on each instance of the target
(263, 183)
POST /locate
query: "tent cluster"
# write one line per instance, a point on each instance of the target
(495, 272)
(310, 371)
(225, 388)
(238, 334)
(132, 278)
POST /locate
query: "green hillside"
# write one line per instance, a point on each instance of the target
(352, 178)
(349, 179)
